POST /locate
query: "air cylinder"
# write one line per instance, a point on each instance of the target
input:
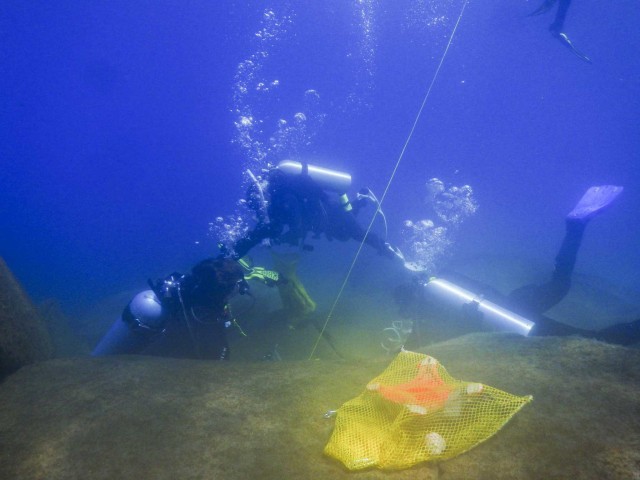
(488, 311)
(326, 178)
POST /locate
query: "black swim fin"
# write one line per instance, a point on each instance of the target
(565, 40)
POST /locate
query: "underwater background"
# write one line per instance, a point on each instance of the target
(127, 134)
(127, 128)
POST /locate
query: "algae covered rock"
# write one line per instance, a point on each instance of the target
(24, 338)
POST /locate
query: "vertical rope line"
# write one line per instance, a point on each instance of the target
(391, 177)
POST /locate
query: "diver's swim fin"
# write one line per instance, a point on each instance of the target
(594, 201)
(565, 40)
(544, 8)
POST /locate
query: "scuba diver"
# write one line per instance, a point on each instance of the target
(296, 204)
(522, 310)
(557, 27)
(183, 316)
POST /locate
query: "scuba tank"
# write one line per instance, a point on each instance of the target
(325, 178)
(477, 306)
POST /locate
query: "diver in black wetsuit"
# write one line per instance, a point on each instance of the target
(184, 316)
(531, 301)
(561, 14)
(557, 27)
(299, 206)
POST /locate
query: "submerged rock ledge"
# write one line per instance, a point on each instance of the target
(142, 417)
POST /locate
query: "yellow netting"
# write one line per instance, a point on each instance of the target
(415, 412)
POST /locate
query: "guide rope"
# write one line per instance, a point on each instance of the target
(391, 177)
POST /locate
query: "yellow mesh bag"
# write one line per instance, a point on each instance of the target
(415, 412)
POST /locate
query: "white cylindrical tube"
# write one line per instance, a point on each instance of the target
(326, 178)
(489, 311)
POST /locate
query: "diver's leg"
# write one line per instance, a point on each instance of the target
(594, 201)
(561, 14)
(567, 255)
(621, 333)
(557, 30)
(540, 298)
(537, 299)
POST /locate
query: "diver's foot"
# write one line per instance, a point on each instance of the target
(594, 201)
(565, 40)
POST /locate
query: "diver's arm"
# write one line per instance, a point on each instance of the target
(253, 238)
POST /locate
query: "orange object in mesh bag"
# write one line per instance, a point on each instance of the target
(415, 412)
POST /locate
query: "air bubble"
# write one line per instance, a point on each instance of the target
(426, 242)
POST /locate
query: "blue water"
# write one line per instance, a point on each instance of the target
(119, 145)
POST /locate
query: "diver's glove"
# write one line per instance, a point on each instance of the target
(268, 277)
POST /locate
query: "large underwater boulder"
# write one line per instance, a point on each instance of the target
(142, 417)
(65, 340)
(24, 337)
